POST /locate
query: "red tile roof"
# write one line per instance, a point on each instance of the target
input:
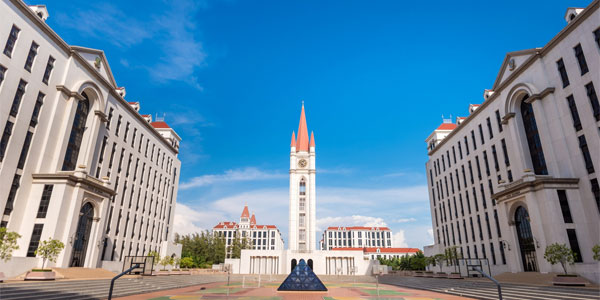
(302, 143)
(159, 124)
(447, 126)
(245, 212)
(381, 250)
(358, 228)
(133, 102)
(225, 225)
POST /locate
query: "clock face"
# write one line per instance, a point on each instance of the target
(302, 163)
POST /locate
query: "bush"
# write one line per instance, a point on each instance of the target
(596, 251)
(8, 243)
(559, 253)
(49, 250)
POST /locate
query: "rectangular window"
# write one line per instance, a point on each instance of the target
(478, 167)
(481, 134)
(581, 59)
(35, 239)
(31, 56)
(493, 252)
(471, 172)
(45, 201)
(482, 195)
(118, 125)
(36, 109)
(497, 224)
(563, 72)
(14, 109)
(14, 187)
(483, 251)
(489, 228)
(479, 226)
(454, 154)
(473, 139)
(574, 113)
(467, 145)
(2, 73)
(501, 246)
(5, 138)
(133, 137)
(587, 158)
(25, 150)
(591, 92)
(460, 151)
(475, 199)
(574, 245)
(596, 192)
(12, 40)
(126, 132)
(499, 120)
(489, 126)
(465, 229)
(487, 164)
(564, 206)
(505, 152)
(597, 37)
(48, 71)
(495, 156)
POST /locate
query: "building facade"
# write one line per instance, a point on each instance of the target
(78, 163)
(520, 172)
(374, 253)
(356, 237)
(258, 237)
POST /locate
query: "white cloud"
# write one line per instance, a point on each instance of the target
(354, 220)
(405, 220)
(186, 219)
(246, 174)
(399, 239)
(430, 233)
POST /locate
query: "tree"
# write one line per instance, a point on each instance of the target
(49, 250)
(177, 262)
(186, 262)
(166, 261)
(559, 253)
(439, 260)
(596, 251)
(156, 257)
(8, 243)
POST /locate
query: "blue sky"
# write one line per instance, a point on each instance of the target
(376, 76)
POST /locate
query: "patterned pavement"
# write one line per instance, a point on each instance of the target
(268, 291)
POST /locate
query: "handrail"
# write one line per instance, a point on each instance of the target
(492, 279)
(112, 282)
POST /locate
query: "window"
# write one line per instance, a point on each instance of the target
(497, 224)
(597, 37)
(574, 113)
(77, 131)
(487, 164)
(118, 125)
(501, 246)
(482, 195)
(481, 134)
(471, 172)
(587, 158)
(302, 203)
(479, 226)
(564, 206)
(495, 156)
(467, 145)
(48, 71)
(460, 150)
(574, 244)
(591, 92)
(12, 39)
(473, 139)
(302, 187)
(581, 59)
(489, 228)
(533, 138)
(499, 121)
(505, 152)
(24, 150)
(36, 109)
(31, 56)
(126, 132)
(489, 126)
(45, 201)
(563, 72)
(478, 167)
(14, 109)
(596, 192)
(133, 137)
(475, 199)
(2, 73)
(14, 187)
(493, 252)
(35, 239)
(5, 138)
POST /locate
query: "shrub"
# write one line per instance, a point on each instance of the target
(8, 243)
(559, 253)
(49, 250)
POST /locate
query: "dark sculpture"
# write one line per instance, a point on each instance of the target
(302, 278)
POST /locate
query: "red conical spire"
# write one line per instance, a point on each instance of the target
(293, 144)
(312, 139)
(245, 212)
(302, 144)
(253, 220)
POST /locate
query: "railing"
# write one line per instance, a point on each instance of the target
(112, 282)
(492, 279)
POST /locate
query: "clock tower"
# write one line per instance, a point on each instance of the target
(302, 217)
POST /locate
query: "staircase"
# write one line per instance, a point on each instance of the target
(98, 289)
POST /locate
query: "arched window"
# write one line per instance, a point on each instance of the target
(302, 187)
(533, 138)
(77, 130)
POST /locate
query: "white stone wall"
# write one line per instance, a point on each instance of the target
(296, 175)
(536, 75)
(357, 238)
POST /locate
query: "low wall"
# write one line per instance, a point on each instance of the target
(19, 265)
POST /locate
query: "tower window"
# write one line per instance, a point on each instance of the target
(302, 187)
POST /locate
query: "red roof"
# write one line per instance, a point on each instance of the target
(145, 115)
(447, 126)
(358, 228)
(133, 102)
(302, 143)
(225, 225)
(312, 139)
(253, 220)
(293, 144)
(381, 250)
(261, 226)
(159, 124)
(245, 212)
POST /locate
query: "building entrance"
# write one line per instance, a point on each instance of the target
(82, 235)
(526, 241)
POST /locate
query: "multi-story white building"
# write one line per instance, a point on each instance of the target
(381, 252)
(258, 237)
(78, 163)
(521, 171)
(356, 237)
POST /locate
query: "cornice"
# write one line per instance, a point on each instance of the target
(523, 186)
(71, 179)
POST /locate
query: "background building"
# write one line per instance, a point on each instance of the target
(356, 237)
(377, 253)
(520, 172)
(259, 237)
(78, 163)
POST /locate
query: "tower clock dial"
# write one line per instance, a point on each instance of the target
(302, 163)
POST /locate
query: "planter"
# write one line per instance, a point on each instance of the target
(418, 274)
(2, 277)
(187, 272)
(428, 274)
(163, 273)
(454, 276)
(175, 272)
(440, 275)
(569, 280)
(37, 274)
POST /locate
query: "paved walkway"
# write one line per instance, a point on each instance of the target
(336, 291)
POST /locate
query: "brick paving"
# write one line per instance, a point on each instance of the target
(336, 291)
